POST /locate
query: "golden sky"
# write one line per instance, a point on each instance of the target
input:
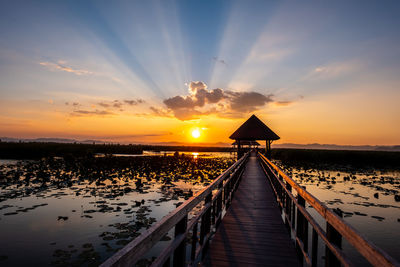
(152, 72)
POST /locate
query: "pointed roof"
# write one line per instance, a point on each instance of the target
(254, 129)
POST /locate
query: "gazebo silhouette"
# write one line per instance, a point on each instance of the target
(253, 129)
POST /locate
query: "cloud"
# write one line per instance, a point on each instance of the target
(74, 104)
(134, 102)
(187, 114)
(118, 104)
(283, 103)
(199, 96)
(286, 102)
(248, 101)
(136, 135)
(160, 112)
(333, 70)
(82, 113)
(60, 66)
(104, 105)
(216, 59)
(202, 101)
(106, 108)
(194, 86)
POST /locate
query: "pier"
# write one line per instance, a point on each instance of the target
(252, 232)
(253, 214)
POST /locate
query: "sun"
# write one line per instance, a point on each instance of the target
(196, 133)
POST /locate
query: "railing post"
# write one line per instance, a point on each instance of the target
(219, 207)
(288, 205)
(302, 229)
(314, 257)
(213, 211)
(279, 191)
(283, 191)
(335, 238)
(180, 251)
(228, 190)
(224, 197)
(293, 215)
(205, 225)
(194, 242)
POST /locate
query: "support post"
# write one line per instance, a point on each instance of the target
(180, 251)
(194, 243)
(205, 226)
(239, 149)
(268, 148)
(335, 238)
(302, 230)
(314, 259)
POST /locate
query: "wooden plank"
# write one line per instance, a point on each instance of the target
(134, 250)
(252, 231)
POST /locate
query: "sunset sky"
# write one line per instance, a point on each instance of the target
(154, 71)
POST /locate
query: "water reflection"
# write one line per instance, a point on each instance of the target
(81, 211)
(367, 198)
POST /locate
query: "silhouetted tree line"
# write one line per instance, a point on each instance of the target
(36, 150)
(312, 158)
(301, 157)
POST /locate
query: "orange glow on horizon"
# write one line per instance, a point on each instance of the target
(339, 120)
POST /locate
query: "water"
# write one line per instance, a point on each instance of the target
(171, 153)
(369, 199)
(81, 212)
(8, 161)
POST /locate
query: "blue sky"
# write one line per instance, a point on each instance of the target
(300, 52)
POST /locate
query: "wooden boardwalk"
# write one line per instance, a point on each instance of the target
(252, 232)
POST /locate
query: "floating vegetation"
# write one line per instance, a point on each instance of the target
(368, 197)
(125, 195)
(108, 177)
(379, 218)
(360, 213)
(109, 201)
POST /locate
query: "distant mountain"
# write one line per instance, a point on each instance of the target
(337, 147)
(67, 140)
(51, 140)
(395, 148)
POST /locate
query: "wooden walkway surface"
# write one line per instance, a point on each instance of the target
(252, 232)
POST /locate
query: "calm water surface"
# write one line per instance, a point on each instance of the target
(77, 213)
(369, 199)
(58, 216)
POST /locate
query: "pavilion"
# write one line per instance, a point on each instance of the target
(253, 129)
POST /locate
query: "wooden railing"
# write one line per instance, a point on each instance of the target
(216, 198)
(297, 219)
